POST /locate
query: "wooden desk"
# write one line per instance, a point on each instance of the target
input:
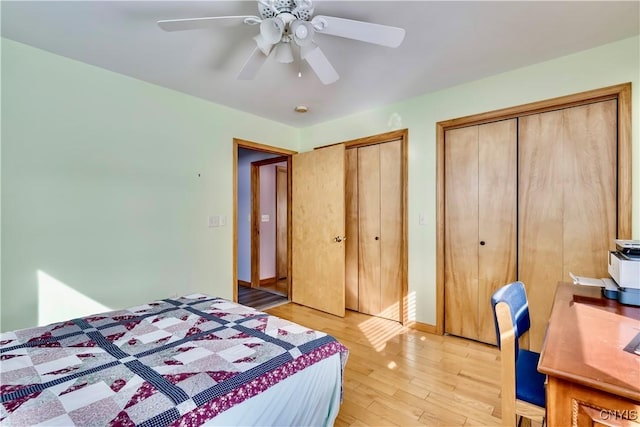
(591, 380)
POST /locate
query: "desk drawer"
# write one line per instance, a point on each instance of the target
(570, 404)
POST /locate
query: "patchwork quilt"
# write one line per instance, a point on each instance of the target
(170, 362)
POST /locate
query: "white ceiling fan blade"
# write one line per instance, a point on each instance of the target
(209, 22)
(383, 35)
(321, 66)
(253, 65)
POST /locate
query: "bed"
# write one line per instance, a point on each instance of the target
(194, 360)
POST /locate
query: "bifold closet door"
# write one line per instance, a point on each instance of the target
(369, 229)
(567, 201)
(497, 217)
(480, 225)
(461, 232)
(374, 229)
(351, 226)
(380, 229)
(390, 230)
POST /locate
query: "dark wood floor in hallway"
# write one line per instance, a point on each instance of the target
(258, 299)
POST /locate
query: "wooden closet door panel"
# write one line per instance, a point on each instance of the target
(369, 229)
(390, 229)
(351, 244)
(497, 216)
(540, 214)
(461, 231)
(568, 207)
(590, 181)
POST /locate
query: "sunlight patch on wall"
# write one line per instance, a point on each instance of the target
(58, 302)
(410, 306)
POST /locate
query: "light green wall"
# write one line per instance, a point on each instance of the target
(100, 186)
(603, 66)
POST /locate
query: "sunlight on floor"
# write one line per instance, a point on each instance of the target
(58, 302)
(378, 331)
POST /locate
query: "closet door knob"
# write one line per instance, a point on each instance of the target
(482, 243)
(377, 238)
(339, 239)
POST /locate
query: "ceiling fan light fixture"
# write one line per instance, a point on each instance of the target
(263, 45)
(271, 30)
(284, 53)
(302, 32)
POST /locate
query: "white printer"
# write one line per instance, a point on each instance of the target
(624, 268)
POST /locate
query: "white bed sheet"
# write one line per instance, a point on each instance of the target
(309, 398)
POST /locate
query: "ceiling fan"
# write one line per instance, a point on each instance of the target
(288, 24)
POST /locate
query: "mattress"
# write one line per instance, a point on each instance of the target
(186, 361)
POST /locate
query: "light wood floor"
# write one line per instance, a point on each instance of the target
(400, 376)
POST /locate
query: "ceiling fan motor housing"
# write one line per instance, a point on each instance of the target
(301, 9)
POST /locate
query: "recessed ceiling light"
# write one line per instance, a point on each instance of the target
(301, 109)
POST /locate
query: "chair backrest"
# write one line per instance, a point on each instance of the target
(515, 296)
(511, 316)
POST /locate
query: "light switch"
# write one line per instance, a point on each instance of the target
(422, 219)
(214, 221)
(223, 220)
(265, 218)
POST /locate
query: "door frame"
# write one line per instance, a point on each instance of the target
(256, 216)
(621, 92)
(403, 136)
(242, 143)
(281, 224)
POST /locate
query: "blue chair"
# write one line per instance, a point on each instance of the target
(523, 392)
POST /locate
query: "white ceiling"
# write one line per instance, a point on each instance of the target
(446, 43)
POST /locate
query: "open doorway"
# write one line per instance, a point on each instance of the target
(269, 201)
(262, 185)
